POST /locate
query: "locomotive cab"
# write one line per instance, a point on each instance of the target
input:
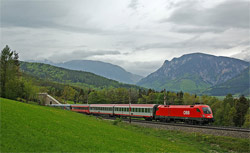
(207, 114)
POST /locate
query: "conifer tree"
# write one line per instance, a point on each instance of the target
(9, 69)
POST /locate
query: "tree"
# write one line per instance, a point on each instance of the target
(229, 113)
(69, 93)
(247, 119)
(242, 105)
(229, 99)
(9, 70)
(81, 96)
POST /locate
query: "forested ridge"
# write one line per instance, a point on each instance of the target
(83, 87)
(73, 77)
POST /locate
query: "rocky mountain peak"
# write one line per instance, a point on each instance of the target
(194, 69)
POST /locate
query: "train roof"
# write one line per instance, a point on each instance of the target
(79, 105)
(182, 106)
(59, 105)
(122, 105)
(102, 105)
(135, 105)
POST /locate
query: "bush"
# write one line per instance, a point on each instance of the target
(118, 120)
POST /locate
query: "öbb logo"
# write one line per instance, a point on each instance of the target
(186, 112)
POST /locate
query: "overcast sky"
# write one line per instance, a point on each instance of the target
(138, 35)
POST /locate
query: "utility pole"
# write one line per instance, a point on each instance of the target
(165, 99)
(129, 99)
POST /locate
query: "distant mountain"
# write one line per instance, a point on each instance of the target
(104, 69)
(71, 77)
(194, 73)
(237, 85)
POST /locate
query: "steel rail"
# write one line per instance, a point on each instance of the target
(237, 129)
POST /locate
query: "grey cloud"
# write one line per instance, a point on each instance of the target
(133, 4)
(244, 54)
(194, 29)
(194, 42)
(31, 13)
(229, 14)
(41, 14)
(80, 54)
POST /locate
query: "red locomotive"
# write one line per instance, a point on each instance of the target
(192, 114)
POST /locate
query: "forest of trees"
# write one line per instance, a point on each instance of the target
(18, 85)
(13, 85)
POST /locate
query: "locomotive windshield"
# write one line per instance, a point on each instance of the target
(206, 110)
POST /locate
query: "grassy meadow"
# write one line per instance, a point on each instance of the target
(33, 128)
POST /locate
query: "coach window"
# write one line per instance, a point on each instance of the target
(197, 109)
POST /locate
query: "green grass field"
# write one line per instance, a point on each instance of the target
(33, 128)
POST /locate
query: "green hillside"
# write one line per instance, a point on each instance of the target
(237, 85)
(188, 83)
(33, 128)
(72, 77)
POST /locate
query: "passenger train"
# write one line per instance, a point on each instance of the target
(192, 114)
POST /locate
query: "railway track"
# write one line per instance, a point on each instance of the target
(236, 129)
